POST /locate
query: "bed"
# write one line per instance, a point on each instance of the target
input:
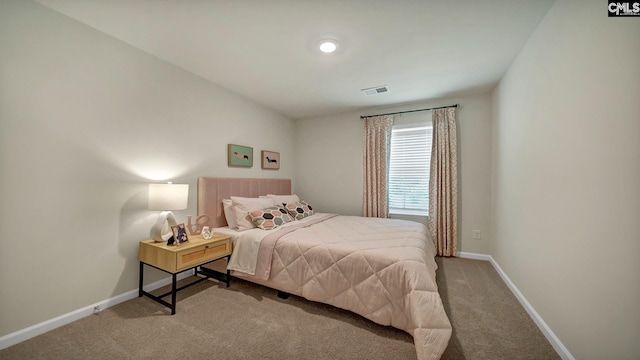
(381, 269)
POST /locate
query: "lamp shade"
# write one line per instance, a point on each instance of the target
(168, 196)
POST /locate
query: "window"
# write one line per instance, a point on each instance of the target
(409, 169)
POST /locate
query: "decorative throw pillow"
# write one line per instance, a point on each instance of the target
(270, 218)
(299, 210)
(243, 206)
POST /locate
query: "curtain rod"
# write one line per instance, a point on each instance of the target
(410, 111)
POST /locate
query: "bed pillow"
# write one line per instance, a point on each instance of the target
(270, 218)
(299, 210)
(284, 199)
(229, 214)
(243, 206)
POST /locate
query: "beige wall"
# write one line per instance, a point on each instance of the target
(566, 178)
(86, 122)
(329, 162)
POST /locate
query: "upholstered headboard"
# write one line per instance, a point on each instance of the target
(211, 191)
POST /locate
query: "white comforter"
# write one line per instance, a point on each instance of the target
(382, 269)
(246, 245)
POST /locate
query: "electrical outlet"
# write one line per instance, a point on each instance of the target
(477, 234)
(96, 309)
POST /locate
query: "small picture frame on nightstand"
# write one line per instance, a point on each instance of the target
(180, 233)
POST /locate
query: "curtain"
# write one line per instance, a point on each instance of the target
(443, 183)
(377, 146)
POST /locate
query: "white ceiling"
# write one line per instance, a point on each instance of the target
(267, 50)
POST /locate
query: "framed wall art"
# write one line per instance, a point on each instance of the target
(239, 155)
(270, 160)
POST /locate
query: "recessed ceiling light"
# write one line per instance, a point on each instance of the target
(328, 46)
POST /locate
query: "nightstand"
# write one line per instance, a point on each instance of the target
(175, 259)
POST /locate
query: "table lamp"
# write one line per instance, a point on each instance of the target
(166, 197)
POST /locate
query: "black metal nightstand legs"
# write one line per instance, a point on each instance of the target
(173, 293)
(141, 279)
(198, 270)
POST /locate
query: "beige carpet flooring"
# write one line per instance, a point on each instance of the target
(248, 321)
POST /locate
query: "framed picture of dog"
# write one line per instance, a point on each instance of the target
(179, 234)
(239, 155)
(270, 160)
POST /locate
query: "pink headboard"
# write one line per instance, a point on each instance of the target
(211, 191)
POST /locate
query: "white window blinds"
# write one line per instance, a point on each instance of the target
(409, 169)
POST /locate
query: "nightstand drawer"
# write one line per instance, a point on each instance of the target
(196, 255)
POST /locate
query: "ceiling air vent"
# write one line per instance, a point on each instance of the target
(375, 90)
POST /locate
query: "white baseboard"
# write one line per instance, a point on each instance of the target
(558, 346)
(474, 256)
(45, 326)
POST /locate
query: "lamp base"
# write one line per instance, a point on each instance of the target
(161, 230)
